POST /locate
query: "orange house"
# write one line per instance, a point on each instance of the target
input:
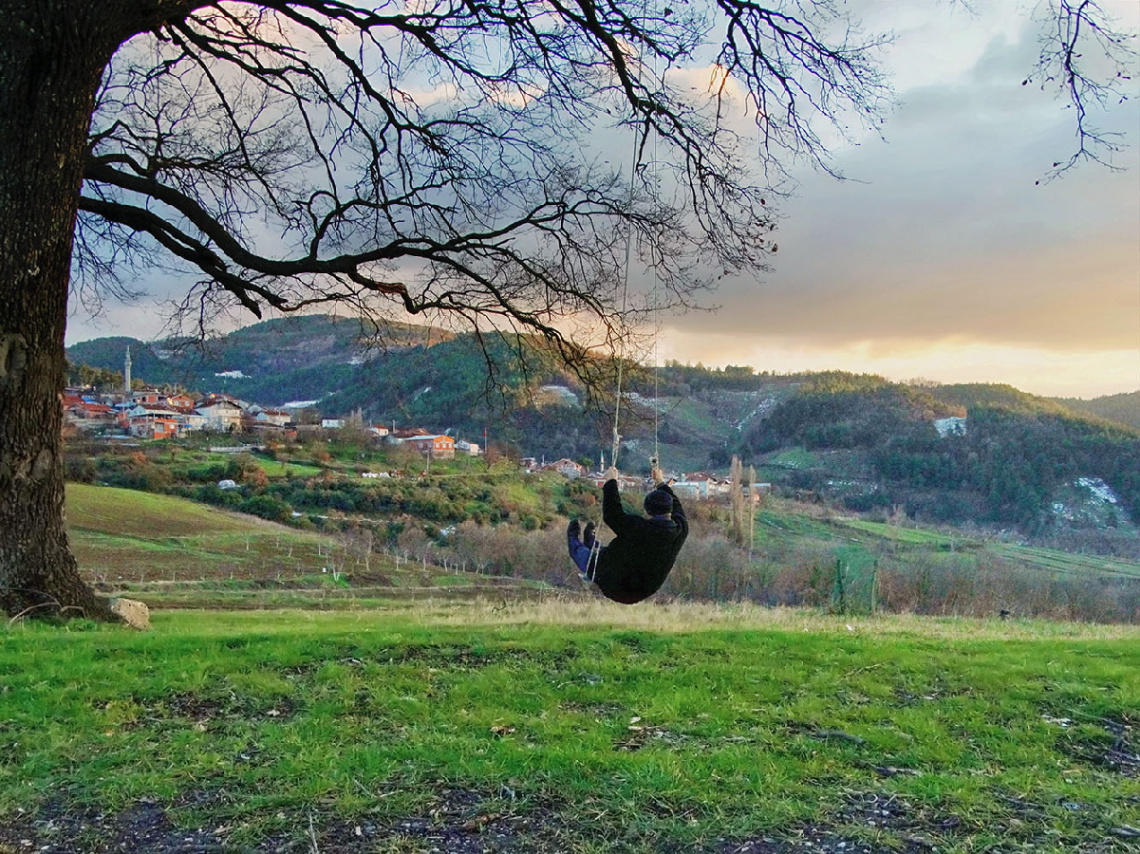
(439, 447)
(152, 426)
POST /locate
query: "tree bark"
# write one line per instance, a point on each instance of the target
(51, 57)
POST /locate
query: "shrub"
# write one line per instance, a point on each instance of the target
(267, 507)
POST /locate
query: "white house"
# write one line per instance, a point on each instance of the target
(568, 468)
(274, 417)
(154, 423)
(222, 415)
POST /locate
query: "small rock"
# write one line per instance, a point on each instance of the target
(134, 613)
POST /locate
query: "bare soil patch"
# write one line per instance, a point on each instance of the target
(462, 821)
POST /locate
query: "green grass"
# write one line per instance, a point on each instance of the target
(176, 551)
(910, 536)
(124, 534)
(578, 724)
(780, 521)
(143, 514)
(796, 458)
(1066, 562)
(781, 524)
(285, 468)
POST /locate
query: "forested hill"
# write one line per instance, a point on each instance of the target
(1121, 408)
(1002, 456)
(291, 358)
(1014, 459)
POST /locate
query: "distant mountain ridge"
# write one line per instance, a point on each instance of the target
(857, 440)
(1121, 408)
(282, 359)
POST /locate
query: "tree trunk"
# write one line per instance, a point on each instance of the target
(51, 58)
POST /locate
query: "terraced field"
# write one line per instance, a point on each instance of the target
(175, 552)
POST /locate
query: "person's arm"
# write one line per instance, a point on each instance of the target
(612, 512)
(678, 510)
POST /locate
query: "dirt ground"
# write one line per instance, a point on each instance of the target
(466, 822)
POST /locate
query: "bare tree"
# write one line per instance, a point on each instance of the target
(1090, 63)
(445, 158)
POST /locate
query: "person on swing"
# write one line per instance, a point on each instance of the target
(637, 560)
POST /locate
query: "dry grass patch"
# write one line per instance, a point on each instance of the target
(673, 617)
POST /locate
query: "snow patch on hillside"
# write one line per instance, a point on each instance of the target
(1089, 501)
(763, 407)
(952, 426)
(1101, 491)
(559, 392)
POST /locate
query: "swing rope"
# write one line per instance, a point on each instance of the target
(656, 462)
(655, 459)
(624, 294)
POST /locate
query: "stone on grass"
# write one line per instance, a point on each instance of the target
(134, 613)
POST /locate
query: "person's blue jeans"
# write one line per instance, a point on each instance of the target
(580, 554)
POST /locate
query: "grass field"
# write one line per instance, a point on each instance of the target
(123, 535)
(277, 468)
(428, 711)
(779, 520)
(569, 727)
(174, 552)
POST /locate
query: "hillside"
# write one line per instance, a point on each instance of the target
(1121, 408)
(273, 362)
(351, 538)
(1006, 458)
(174, 552)
(870, 445)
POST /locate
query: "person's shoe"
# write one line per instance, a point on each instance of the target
(573, 530)
(588, 535)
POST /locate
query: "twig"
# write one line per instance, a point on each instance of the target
(314, 849)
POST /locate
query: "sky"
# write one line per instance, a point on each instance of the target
(939, 256)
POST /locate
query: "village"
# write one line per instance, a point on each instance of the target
(139, 411)
(145, 412)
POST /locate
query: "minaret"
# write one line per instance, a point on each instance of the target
(127, 372)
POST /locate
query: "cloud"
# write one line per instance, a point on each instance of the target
(943, 235)
(1036, 370)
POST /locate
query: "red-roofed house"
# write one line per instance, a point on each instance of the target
(87, 415)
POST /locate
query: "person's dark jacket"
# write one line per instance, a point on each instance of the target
(636, 562)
